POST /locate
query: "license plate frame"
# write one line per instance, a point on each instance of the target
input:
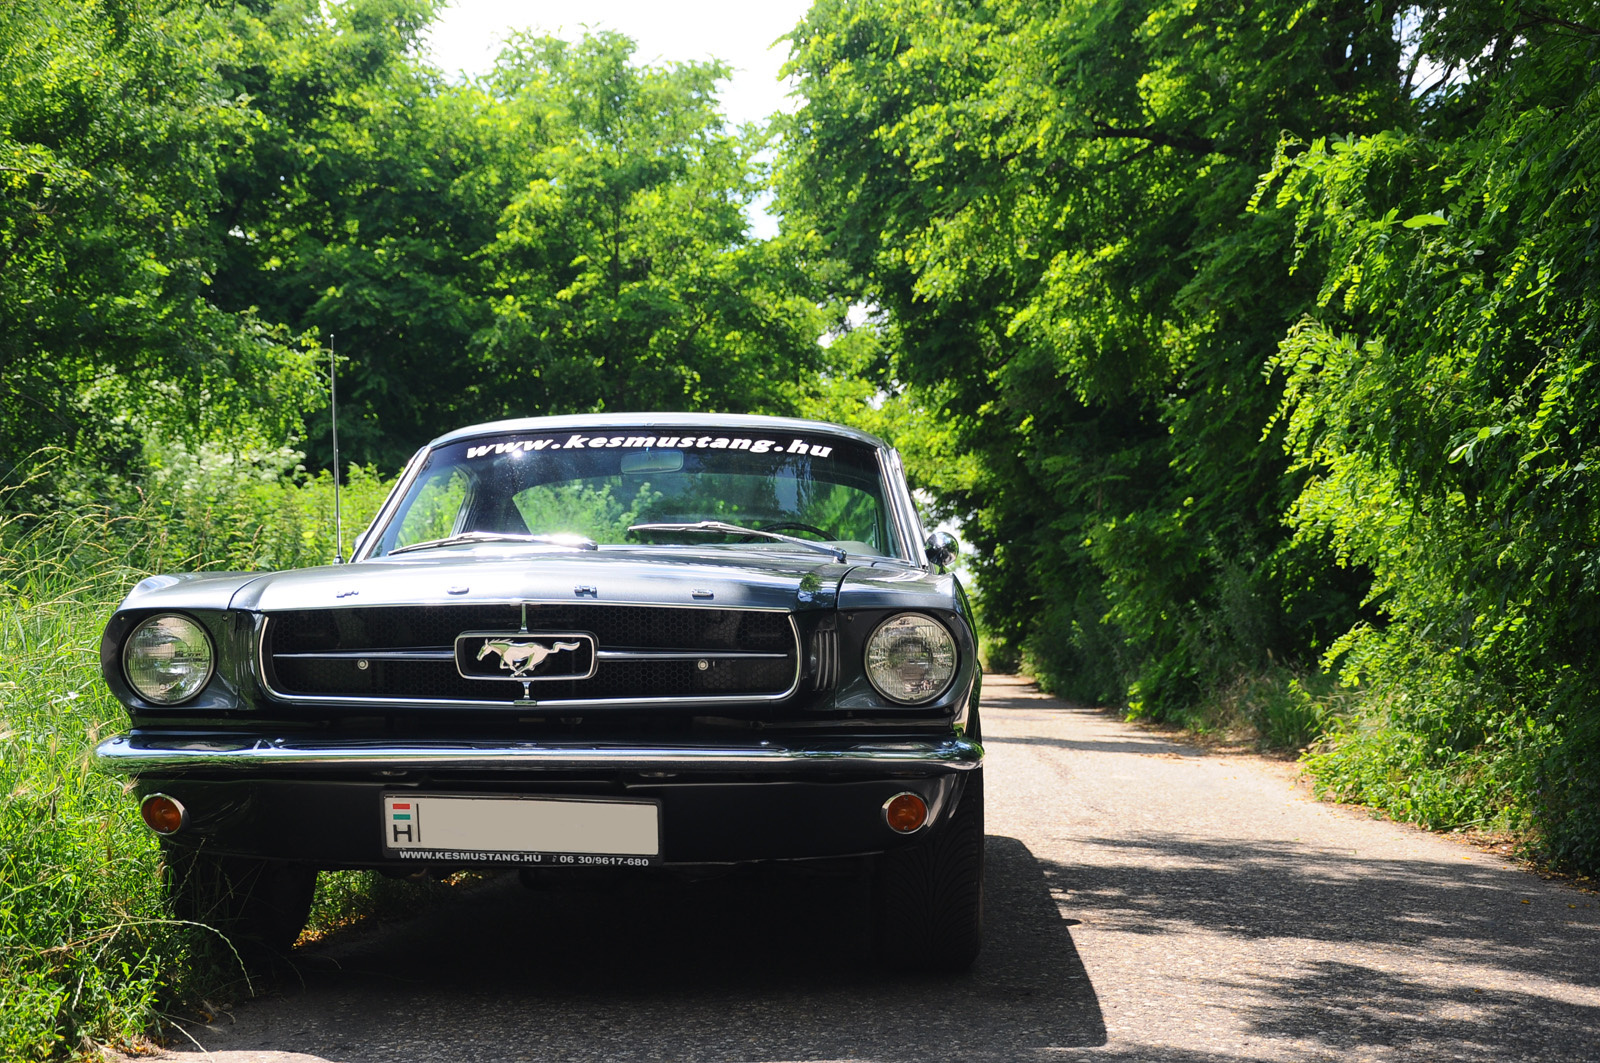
(521, 830)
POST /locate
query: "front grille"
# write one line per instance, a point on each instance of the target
(406, 653)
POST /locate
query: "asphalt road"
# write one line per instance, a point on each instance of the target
(1146, 901)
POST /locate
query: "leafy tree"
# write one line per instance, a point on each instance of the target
(1050, 203)
(110, 124)
(355, 201)
(566, 235)
(1059, 212)
(623, 274)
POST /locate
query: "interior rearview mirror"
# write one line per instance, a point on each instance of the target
(652, 460)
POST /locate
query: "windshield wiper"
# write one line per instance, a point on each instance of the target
(723, 528)
(577, 542)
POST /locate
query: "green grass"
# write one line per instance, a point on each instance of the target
(88, 953)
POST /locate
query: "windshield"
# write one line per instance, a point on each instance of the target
(812, 487)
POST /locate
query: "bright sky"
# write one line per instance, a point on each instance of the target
(467, 35)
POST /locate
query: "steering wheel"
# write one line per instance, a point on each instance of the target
(795, 525)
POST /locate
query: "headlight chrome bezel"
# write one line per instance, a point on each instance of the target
(196, 637)
(944, 658)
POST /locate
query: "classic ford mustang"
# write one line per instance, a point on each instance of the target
(629, 642)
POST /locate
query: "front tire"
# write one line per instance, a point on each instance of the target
(261, 905)
(928, 898)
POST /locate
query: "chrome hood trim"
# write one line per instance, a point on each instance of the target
(741, 579)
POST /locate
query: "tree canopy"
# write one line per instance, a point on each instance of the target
(113, 127)
(1052, 203)
(203, 199)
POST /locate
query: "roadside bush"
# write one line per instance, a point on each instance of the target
(1277, 709)
(233, 508)
(1442, 403)
(1435, 741)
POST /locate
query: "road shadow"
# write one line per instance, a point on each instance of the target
(770, 964)
(1257, 888)
(1021, 701)
(1389, 923)
(1348, 1007)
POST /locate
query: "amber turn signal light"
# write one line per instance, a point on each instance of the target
(163, 814)
(905, 813)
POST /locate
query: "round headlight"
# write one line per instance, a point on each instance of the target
(167, 659)
(911, 658)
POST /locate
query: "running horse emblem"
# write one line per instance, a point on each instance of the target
(521, 658)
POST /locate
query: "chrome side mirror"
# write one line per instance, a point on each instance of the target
(942, 549)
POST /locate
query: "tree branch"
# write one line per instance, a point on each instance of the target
(1534, 18)
(1156, 137)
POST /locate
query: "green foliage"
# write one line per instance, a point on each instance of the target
(1228, 426)
(85, 948)
(1048, 202)
(623, 278)
(199, 197)
(567, 234)
(251, 509)
(1442, 401)
(1431, 743)
(355, 204)
(1275, 709)
(111, 122)
(88, 952)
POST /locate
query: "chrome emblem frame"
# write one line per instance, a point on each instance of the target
(520, 653)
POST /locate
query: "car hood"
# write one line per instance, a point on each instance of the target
(743, 579)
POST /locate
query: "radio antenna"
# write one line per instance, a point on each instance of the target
(333, 395)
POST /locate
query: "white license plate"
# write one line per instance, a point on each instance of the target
(540, 831)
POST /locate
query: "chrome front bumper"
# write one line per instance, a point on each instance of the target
(139, 754)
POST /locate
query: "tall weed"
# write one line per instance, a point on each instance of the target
(88, 953)
(1276, 709)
